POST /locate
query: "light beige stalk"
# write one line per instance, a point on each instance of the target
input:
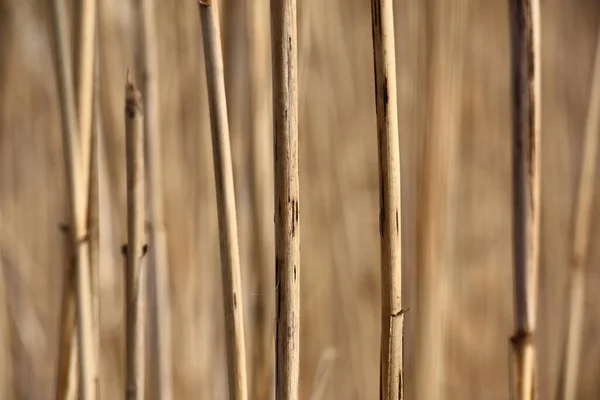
(135, 332)
(159, 264)
(94, 211)
(526, 103)
(84, 56)
(284, 48)
(581, 238)
(228, 231)
(261, 167)
(392, 318)
(77, 194)
(446, 22)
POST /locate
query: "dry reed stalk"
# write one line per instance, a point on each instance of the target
(435, 202)
(84, 78)
(66, 384)
(526, 103)
(228, 232)
(392, 318)
(94, 210)
(261, 171)
(77, 194)
(85, 20)
(581, 237)
(284, 48)
(159, 264)
(135, 329)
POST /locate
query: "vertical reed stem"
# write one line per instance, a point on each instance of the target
(135, 293)
(284, 47)
(159, 264)
(581, 237)
(261, 173)
(77, 193)
(228, 232)
(435, 229)
(392, 318)
(526, 101)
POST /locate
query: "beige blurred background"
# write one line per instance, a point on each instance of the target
(338, 178)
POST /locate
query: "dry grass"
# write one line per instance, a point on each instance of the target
(340, 300)
(78, 192)
(226, 207)
(581, 237)
(525, 20)
(135, 250)
(390, 221)
(284, 50)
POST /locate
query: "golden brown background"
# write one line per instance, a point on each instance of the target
(338, 178)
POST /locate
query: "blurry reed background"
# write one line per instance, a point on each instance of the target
(338, 174)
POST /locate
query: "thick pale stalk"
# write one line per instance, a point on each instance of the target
(526, 103)
(284, 48)
(581, 237)
(228, 232)
(77, 195)
(134, 292)
(392, 318)
(435, 203)
(159, 265)
(261, 169)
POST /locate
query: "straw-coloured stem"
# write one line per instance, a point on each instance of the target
(84, 78)
(77, 194)
(284, 48)
(435, 228)
(526, 103)
(228, 231)
(581, 237)
(134, 293)
(66, 384)
(392, 318)
(94, 211)
(158, 267)
(261, 168)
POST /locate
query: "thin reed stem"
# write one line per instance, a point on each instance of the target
(77, 195)
(84, 78)
(526, 103)
(261, 170)
(435, 225)
(67, 370)
(94, 210)
(581, 238)
(284, 48)
(135, 295)
(160, 315)
(228, 231)
(392, 314)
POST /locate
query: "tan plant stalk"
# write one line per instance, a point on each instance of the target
(581, 237)
(261, 168)
(94, 211)
(134, 292)
(526, 103)
(392, 318)
(284, 48)
(84, 78)
(67, 376)
(85, 15)
(159, 265)
(77, 195)
(228, 232)
(435, 228)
